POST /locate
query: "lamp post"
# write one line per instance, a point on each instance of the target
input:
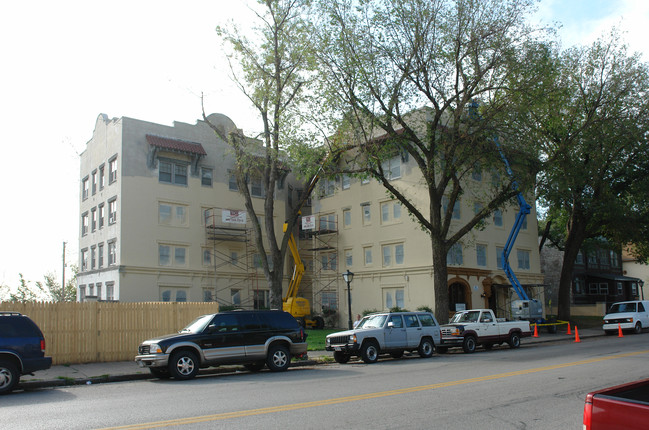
(348, 276)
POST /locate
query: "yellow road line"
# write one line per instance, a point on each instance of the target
(326, 402)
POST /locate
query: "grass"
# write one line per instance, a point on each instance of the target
(316, 338)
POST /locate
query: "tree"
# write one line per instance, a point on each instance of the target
(590, 117)
(54, 291)
(408, 76)
(25, 293)
(273, 70)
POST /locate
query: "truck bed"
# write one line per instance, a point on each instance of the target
(622, 407)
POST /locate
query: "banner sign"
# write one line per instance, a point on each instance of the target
(308, 222)
(233, 217)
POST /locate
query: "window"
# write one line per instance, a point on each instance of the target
(112, 253)
(93, 211)
(179, 256)
(261, 299)
(85, 188)
(165, 253)
(207, 295)
(232, 182)
(592, 288)
(620, 289)
(329, 300)
(367, 253)
(602, 256)
(91, 290)
(169, 214)
(615, 261)
(365, 180)
(207, 257)
(481, 255)
(112, 211)
(523, 259)
(603, 288)
(100, 255)
(392, 167)
(328, 187)
(84, 224)
(477, 207)
(524, 223)
(99, 290)
(499, 256)
(476, 174)
(456, 207)
(256, 261)
(93, 257)
(206, 177)
(367, 215)
(580, 258)
(234, 258)
(82, 292)
(393, 297)
(592, 258)
(346, 181)
(329, 261)
(172, 172)
(328, 222)
(348, 258)
(179, 295)
(110, 291)
(347, 217)
(634, 289)
(102, 214)
(498, 218)
(388, 251)
(390, 212)
(101, 178)
(454, 255)
(256, 187)
(398, 253)
(235, 296)
(94, 182)
(84, 260)
(112, 170)
(579, 286)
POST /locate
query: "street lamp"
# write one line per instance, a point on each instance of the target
(348, 276)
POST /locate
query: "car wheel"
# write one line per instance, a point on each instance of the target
(442, 349)
(319, 323)
(514, 340)
(9, 376)
(302, 322)
(370, 352)
(396, 354)
(638, 328)
(341, 357)
(183, 365)
(160, 372)
(255, 367)
(426, 348)
(469, 344)
(278, 358)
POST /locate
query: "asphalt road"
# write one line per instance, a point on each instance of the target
(535, 387)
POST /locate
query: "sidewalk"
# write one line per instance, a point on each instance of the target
(95, 373)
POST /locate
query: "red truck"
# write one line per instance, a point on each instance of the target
(624, 406)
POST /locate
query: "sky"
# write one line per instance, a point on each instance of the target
(66, 62)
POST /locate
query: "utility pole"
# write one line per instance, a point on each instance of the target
(63, 271)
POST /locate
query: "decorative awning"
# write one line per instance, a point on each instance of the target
(175, 145)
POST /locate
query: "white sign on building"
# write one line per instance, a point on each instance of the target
(308, 222)
(234, 217)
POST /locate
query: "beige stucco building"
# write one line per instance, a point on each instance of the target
(161, 219)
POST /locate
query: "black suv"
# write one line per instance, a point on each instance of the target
(252, 338)
(22, 349)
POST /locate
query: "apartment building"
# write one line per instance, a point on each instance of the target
(161, 218)
(359, 228)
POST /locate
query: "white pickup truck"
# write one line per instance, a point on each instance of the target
(474, 327)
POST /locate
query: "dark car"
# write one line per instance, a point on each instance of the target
(252, 338)
(22, 349)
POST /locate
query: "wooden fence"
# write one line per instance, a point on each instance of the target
(91, 332)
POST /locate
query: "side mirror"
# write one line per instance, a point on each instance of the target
(390, 324)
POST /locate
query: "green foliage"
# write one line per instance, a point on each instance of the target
(25, 293)
(370, 311)
(398, 309)
(425, 309)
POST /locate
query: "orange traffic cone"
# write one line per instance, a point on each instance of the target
(568, 332)
(619, 330)
(536, 333)
(577, 335)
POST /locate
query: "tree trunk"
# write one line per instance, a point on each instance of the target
(440, 281)
(576, 235)
(275, 287)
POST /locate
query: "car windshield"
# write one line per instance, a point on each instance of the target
(619, 308)
(198, 325)
(372, 321)
(470, 316)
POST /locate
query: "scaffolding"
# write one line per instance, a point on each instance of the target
(224, 228)
(319, 248)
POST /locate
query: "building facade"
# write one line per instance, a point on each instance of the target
(161, 218)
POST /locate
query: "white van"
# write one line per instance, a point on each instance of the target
(632, 315)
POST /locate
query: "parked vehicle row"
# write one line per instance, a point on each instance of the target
(632, 315)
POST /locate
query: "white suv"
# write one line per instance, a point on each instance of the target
(632, 315)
